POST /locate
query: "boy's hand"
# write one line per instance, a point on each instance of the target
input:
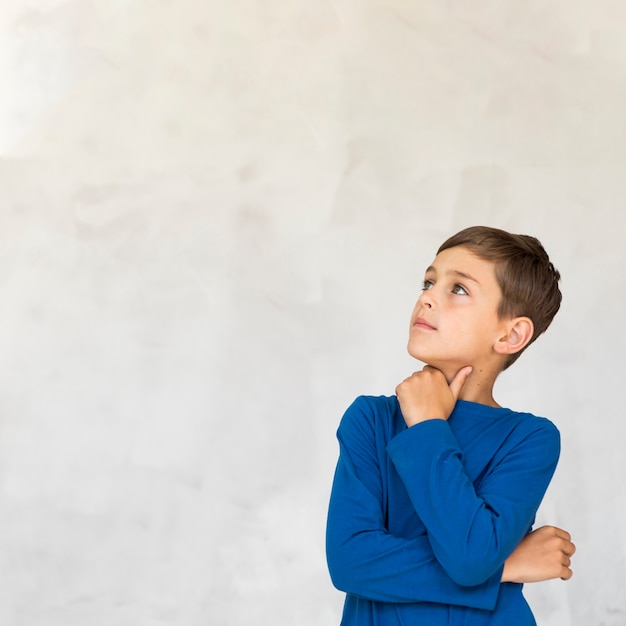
(541, 555)
(426, 395)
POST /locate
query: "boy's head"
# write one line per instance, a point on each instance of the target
(527, 279)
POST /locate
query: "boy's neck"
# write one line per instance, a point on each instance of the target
(478, 393)
(479, 386)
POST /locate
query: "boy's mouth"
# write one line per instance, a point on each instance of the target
(420, 322)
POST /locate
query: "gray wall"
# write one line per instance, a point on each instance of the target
(215, 217)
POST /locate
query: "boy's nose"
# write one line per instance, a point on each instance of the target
(426, 298)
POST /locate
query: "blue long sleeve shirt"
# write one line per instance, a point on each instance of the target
(421, 519)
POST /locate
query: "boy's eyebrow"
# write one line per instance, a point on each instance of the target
(455, 273)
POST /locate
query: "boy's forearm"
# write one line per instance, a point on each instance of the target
(380, 567)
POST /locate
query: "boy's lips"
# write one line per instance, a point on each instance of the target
(421, 322)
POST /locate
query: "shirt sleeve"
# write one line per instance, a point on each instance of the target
(473, 530)
(364, 559)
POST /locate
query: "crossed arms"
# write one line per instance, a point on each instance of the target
(474, 539)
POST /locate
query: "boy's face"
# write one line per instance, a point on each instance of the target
(455, 320)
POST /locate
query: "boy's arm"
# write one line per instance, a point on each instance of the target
(472, 533)
(363, 558)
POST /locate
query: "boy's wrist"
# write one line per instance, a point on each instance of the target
(414, 421)
(508, 574)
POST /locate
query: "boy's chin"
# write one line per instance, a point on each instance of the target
(448, 368)
(426, 359)
(434, 363)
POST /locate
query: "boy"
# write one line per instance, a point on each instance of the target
(436, 488)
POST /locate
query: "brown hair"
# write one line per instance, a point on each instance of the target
(527, 279)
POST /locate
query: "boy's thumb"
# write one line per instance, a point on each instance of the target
(459, 380)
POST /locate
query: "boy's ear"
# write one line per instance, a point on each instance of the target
(519, 331)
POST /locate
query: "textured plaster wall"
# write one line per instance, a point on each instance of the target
(214, 220)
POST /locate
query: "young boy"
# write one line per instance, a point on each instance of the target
(436, 488)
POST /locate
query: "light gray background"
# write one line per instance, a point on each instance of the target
(214, 221)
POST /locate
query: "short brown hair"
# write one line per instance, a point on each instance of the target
(527, 279)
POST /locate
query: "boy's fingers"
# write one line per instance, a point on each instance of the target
(562, 533)
(459, 380)
(569, 547)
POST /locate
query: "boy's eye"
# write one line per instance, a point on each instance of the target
(426, 285)
(459, 290)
